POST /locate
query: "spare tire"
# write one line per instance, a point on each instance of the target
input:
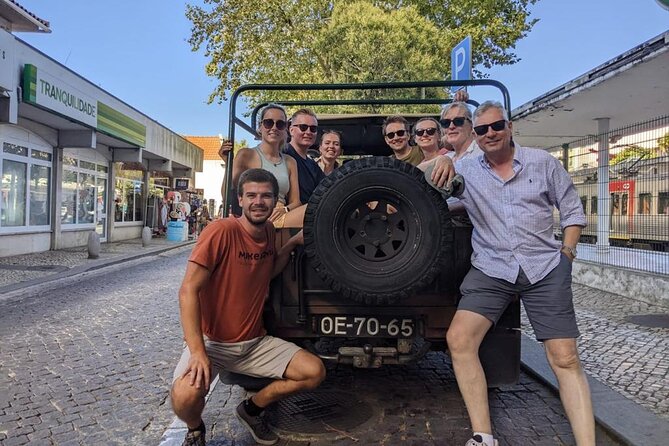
(376, 231)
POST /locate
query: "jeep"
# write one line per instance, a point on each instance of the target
(377, 281)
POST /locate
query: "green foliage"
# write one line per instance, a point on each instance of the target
(663, 144)
(241, 144)
(318, 41)
(632, 152)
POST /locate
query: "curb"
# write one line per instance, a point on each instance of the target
(91, 266)
(628, 421)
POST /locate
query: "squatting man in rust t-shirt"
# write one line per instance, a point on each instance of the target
(221, 301)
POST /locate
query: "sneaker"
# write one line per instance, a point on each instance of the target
(196, 437)
(476, 440)
(260, 432)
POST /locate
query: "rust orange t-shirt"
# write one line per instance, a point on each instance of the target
(231, 302)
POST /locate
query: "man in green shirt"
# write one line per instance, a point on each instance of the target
(396, 133)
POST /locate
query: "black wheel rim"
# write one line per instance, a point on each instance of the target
(372, 226)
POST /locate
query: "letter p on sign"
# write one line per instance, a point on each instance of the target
(461, 61)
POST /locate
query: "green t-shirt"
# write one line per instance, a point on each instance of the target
(415, 156)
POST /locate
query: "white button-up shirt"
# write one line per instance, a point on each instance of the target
(513, 219)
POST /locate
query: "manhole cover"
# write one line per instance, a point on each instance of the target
(318, 412)
(660, 320)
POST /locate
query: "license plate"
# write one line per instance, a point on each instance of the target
(353, 326)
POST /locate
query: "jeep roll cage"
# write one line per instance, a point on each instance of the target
(235, 120)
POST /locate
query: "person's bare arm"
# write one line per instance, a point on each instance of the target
(199, 366)
(293, 198)
(570, 237)
(284, 252)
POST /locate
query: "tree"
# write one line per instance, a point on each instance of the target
(632, 152)
(324, 41)
(663, 144)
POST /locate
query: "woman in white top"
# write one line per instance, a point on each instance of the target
(267, 155)
(427, 134)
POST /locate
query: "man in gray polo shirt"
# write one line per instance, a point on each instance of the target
(510, 194)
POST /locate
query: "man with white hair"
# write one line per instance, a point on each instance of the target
(510, 194)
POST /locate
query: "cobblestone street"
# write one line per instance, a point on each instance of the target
(630, 358)
(413, 405)
(90, 362)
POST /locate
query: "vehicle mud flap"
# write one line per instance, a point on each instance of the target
(500, 349)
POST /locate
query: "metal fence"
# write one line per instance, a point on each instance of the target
(622, 177)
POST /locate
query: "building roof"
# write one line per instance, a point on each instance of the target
(209, 145)
(631, 87)
(21, 19)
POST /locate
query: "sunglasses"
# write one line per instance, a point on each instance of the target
(399, 133)
(458, 122)
(430, 131)
(496, 126)
(304, 127)
(269, 123)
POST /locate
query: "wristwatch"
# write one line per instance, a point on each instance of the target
(569, 249)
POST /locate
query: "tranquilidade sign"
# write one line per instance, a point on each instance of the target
(44, 90)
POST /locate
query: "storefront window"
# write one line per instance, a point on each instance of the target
(13, 149)
(26, 178)
(128, 199)
(69, 161)
(69, 197)
(128, 196)
(40, 155)
(79, 194)
(13, 193)
(86, 198)
(39, 194)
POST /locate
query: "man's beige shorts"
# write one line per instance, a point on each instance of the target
(263, 357)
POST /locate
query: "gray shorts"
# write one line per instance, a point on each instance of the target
(548, 303)
(263, 357)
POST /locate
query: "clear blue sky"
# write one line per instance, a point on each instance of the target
(138, 51)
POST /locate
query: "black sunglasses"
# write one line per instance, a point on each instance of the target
(269, 123)
(431, 131)
(399, 133)
(458, 122)
(496, 126)
(304, 127)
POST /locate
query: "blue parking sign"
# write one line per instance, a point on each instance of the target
(461, 61)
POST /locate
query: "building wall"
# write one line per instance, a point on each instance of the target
(17, 244)
(211, 180)
(47, 133)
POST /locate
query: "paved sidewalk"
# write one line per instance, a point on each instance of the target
(17, 272)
